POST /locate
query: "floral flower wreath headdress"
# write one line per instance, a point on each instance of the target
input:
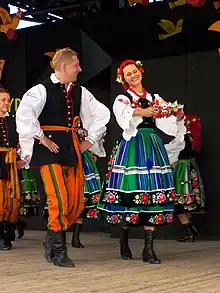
(120, 74)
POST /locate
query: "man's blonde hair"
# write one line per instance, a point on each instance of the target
(62, 55)
(4, 91)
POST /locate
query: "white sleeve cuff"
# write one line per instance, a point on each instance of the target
(40, 135)
(90, 139)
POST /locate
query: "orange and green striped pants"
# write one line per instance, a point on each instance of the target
(64, 202)
(10, 196)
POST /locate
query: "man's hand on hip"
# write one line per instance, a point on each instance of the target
(49, 144)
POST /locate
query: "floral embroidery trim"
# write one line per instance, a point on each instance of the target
(95, 198)
(92, 214)
(133, 218)
(160, 198)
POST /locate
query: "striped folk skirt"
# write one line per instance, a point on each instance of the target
(139, 186)
(189, 187)
(92, 186)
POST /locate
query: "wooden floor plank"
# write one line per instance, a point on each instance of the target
(186, 267)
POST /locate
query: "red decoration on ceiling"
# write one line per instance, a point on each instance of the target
(143, 2)
(196, 3)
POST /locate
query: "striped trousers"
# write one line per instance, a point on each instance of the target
(10, 196)
(60, 188)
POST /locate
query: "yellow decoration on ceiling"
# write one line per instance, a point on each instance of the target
(51, 55)
(216, 4)
(2, 63)
(177, 3)
(215, 26)
(170, 28)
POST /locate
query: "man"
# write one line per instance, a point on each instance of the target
(49, 115)
(9, 182)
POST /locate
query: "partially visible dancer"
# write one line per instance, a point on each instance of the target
(9, 181)
(30, 199)
(187, 179)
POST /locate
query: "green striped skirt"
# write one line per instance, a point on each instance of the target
(189, 187)
(139, 186)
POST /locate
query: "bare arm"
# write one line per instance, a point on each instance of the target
(149, 112)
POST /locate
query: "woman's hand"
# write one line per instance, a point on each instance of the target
(150, 112)
(84, 146)
(21, 164)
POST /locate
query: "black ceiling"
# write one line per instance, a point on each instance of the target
(67, 9)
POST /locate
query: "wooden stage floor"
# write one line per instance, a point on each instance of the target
(187, 267)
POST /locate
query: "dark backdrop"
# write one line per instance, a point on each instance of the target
(126, 34)
(182, 78)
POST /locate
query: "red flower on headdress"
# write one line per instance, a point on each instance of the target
(193, 126)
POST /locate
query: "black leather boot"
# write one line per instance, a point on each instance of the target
(48, 246)
(20, 227)
(194, 228)
(75, 239)
(10, 228)
(61, 258)
(124, 247)
(5, 239)
(2, 230)
(148, 253)
(189, 234)
(4, 245)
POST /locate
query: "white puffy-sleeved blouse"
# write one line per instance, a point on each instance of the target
(123, 112)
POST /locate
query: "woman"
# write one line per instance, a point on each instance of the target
(29, 199)
(139, 188)
(187, 179)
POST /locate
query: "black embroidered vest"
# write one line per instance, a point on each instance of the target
(8, 134)
(58, 111)
(144, 103)
(8, 139)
